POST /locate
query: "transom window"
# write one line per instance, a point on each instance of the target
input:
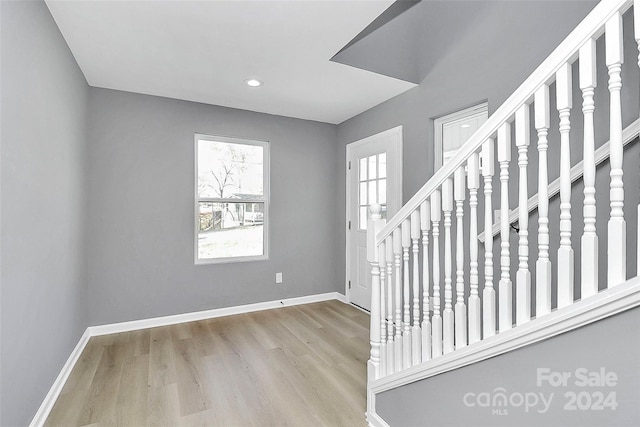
(232, 199)
(372, 172)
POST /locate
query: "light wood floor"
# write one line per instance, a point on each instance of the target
(293, 366)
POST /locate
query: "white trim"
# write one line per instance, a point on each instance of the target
(208, 314)
(591, 27)
(605, 304)
(372, 417)
(478, 110)
(92, 331)
(376, 420)
(266, 197)
(628, 134)
(397, 135)
(58, 384)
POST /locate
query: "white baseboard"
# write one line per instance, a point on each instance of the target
(340, 297)
(209, 314)
(91, 331)
(56, 388)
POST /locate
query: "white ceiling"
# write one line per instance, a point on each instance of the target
(204, 51)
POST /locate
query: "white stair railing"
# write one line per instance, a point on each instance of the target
(407, 330)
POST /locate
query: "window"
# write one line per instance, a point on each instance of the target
(232, 199)
(453, 130)
(372, 172)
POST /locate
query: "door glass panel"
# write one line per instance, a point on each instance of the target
(382, 165)
(363, 169)
(363, 217)
(372, 167)
(372, 192)
(363, 193)
(373, 186)
(382, 192)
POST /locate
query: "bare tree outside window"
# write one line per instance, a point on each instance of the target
(230, 197)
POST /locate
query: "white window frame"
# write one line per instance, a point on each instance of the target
(478, 110)
(265, 198)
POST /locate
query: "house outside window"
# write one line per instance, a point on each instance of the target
(231, 199)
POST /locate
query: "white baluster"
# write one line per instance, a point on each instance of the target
(565, 251)
(523, 276)
(447, 316)
(636, 26)
(390, 336)
(543, 264)
(473, 182)
(397, 253)
(416, 339)
(436, 320)
(589, 241)
(488, 293)
(406, 322)
(374, 224)
(460, 308)
(425, 226)
(505, 304)
(617, 245)
(382, 263)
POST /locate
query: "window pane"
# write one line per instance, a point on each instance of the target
(372, 167)
(227, 170)
(363, 217)
(230, 230)
(363, 169)
(382, 191)
(382, 165)
(363, 193)
(372, 192)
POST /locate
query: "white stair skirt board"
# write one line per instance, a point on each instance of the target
(375, 420)
(92, 331)
(606, 303)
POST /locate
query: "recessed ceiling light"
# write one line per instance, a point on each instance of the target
(253, 82)
(465, 126)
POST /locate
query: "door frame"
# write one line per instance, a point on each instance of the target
(478, 110)
(396, 134)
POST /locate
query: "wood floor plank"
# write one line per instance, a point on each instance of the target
(141, 342)
(131, 403)
(292, 366)
(100, 402)
(189, 377)
(163, 406)
(161, 363)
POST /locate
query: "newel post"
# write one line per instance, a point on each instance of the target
(374, 225)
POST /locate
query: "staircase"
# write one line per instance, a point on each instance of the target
(445, 295)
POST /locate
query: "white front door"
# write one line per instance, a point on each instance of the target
(374, 175)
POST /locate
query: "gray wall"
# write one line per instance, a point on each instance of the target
(471, 71)
(439, 401)
(140, 176)
(44, 99)
(497, 50)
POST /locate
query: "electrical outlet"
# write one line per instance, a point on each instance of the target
(278, 278)
(496, 216)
